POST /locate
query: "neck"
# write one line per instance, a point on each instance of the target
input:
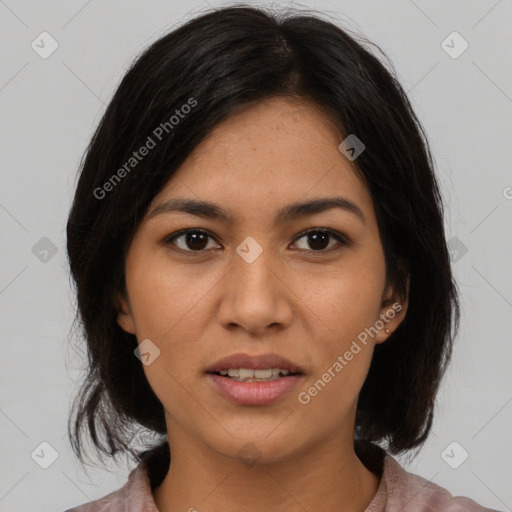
(327, 477)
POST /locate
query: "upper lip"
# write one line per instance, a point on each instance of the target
(256, 362)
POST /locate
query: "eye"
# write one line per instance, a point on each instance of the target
(318, 238)
(193, 240)
(196, 240)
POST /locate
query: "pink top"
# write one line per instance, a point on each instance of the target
(398, 490)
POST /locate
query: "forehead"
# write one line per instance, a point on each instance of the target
(272, 153)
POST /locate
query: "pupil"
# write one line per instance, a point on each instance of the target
(318, 237)
(196, 237)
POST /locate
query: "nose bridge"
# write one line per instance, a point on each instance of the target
(252, 266)
(254, 298)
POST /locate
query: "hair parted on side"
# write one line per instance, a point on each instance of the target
(226, 60)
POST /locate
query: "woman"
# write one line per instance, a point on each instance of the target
(262, 274)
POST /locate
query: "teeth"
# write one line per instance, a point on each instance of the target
(247, 373)
(262, 374)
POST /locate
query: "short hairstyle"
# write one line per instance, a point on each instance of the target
(218, 63)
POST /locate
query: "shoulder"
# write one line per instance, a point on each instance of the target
(135, 495)
(406, 491)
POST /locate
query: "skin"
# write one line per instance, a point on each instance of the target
(304, 301)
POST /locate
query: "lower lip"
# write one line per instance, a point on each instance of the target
(254, 393)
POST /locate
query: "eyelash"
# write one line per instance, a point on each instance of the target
(343, 241)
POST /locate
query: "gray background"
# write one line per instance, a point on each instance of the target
(49, 108)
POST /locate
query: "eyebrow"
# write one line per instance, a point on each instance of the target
(288, 212)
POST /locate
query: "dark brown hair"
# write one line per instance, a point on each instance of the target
(225, 60)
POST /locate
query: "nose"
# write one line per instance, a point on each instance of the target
(255, 296)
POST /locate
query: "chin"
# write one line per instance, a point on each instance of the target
(256, 450)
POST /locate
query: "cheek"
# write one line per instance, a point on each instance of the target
(167, 297)
(342, 308)
(169, 307)
(347, 300)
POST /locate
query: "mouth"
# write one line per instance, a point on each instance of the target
(245, 366)
(251, 375)
(254, 380)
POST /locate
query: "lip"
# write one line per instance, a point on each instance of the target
(254, 393)
(255, 362)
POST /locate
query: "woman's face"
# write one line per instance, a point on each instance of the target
(254, 283)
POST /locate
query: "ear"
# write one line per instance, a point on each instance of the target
(391, 314)
(124, 314)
